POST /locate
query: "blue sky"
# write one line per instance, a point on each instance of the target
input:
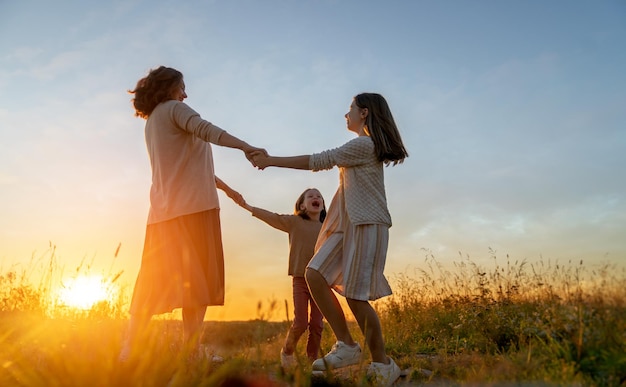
(513, 113)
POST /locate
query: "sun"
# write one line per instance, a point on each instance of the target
(84, 291)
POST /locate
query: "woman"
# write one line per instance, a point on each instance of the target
(182, 264)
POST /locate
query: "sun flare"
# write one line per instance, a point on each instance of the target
(84, 291)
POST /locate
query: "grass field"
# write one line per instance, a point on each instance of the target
(516, 323)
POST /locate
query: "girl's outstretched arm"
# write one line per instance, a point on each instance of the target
(263, 161)
(280, 222)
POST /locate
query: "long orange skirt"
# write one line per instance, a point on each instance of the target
(182, 265)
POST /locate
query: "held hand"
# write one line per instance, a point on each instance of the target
(237, 198)
(261, 160)
(251, 151)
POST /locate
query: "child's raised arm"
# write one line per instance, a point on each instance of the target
(277, 221)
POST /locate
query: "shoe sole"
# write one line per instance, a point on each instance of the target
(347, 372)
(358, 361)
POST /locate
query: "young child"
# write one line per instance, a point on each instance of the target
(303, 228)
(351, 249)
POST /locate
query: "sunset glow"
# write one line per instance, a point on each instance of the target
(512, 114)
(84, 292)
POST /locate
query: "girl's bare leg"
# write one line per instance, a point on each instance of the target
(370, 326)
(329, 305)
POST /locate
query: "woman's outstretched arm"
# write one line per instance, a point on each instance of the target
(230, 141)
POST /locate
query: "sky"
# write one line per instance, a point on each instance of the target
(513, 114)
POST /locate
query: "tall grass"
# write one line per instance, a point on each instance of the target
(512, 322)
(518, 321)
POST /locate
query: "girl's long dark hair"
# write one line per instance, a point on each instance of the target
(382, 128)
(154, 88)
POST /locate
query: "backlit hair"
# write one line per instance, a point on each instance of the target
(382, 128)
(154, 88)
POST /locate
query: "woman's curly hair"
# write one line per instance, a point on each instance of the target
(153, 89)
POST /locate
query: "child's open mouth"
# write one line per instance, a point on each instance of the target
(315, 204)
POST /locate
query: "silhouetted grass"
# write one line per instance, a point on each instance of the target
(543, 322)
(517, 322)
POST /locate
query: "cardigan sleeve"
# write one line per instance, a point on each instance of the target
(355, 152)
(190, 121)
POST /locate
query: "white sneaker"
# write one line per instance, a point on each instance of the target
(287, 361)
(208, 353)
(381, 374)
(341, 355)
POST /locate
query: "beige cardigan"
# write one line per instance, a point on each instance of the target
(361, 180)
(183, 179)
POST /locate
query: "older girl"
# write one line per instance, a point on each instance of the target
(352, 246)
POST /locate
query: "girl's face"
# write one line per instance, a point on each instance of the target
(178, 92)
(313, 202)
(355, 118)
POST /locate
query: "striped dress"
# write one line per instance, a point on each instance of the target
(351, 249)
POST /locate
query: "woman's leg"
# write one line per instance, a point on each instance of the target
(138, 323)
(193, 319)
(370, 326)
(329, 305)
(136, 326)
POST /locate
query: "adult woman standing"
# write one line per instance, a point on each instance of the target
(182, 264)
